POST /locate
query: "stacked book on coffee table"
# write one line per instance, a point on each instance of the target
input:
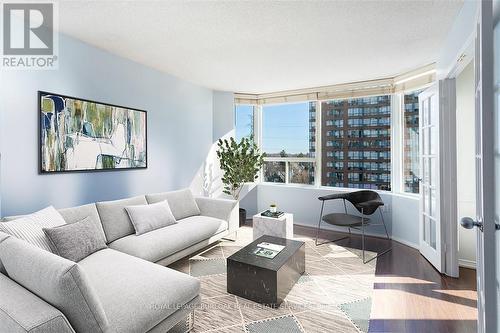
(268, 250)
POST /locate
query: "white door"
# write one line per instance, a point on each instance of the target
(487, 255)
(430, 224)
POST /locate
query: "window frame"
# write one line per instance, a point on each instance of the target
(258, 119)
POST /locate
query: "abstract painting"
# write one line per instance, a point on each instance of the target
(83, 135)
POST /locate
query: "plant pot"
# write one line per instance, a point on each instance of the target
(243, 216)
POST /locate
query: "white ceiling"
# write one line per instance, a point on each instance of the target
(266, 46)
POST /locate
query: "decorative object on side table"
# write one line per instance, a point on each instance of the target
(277, 224)
(273, 208)
(264, 280)
(241, 162)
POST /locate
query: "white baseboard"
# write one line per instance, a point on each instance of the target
(467, 263)
(405, 242)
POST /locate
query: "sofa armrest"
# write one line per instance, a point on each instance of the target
(58, 281)
(224, 209)
(23, 311)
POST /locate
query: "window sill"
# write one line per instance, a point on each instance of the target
(341, 189)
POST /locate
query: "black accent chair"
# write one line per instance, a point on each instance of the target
(367, 203)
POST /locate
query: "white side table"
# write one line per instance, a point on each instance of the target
(280, 227)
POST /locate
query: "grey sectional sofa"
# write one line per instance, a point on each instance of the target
(123, 288)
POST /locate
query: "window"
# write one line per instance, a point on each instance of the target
(301, 173)
(288, 129)
(357, 137)
(243, 118)
(289, 142)
(274, 172)
(410, 143)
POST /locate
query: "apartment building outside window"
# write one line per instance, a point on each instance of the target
(365, 123)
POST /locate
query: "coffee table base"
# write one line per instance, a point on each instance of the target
(265, 286)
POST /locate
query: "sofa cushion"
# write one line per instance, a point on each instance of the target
(41, 317)
(181, 202)
(78, 213)
(29, 227)
(78, 240)
(147, 218)
(161, 243)
(137, 295)
(114, 217)
(56, 280)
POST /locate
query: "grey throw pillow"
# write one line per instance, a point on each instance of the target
(147, 218)
(181, 202)
(76, 241)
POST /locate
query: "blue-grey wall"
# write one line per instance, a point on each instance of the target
(180, 130)
(223, 120)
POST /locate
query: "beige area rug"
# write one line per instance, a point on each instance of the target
(336, 280)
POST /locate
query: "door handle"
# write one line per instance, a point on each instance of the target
(469, 223)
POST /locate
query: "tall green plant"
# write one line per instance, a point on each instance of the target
(240, 161)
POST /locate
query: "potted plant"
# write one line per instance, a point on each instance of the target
(241, 162)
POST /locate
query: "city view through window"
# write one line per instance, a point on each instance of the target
(356, 137)
(243, 118)
(355, 142)
(288, 131)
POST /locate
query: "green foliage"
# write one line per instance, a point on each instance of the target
(240, 161)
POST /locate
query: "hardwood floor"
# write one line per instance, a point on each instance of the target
(409, 294)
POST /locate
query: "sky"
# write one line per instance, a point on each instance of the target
(285, 127)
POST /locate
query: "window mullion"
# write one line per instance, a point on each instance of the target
(318, 150)
(396, 143)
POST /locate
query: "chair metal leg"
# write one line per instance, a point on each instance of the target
(383, 222)
(363, 235)
(319, 228)
(388, 238)
(319, 222)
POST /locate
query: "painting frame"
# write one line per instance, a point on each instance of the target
(41, 171)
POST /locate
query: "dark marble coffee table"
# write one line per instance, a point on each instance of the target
(263, 280)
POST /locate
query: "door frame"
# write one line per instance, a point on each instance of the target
(448, 183)
(486, 252)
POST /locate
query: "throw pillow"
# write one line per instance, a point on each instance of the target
(147, 218)
(77, 240)
(29, 227)
(181, 202)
